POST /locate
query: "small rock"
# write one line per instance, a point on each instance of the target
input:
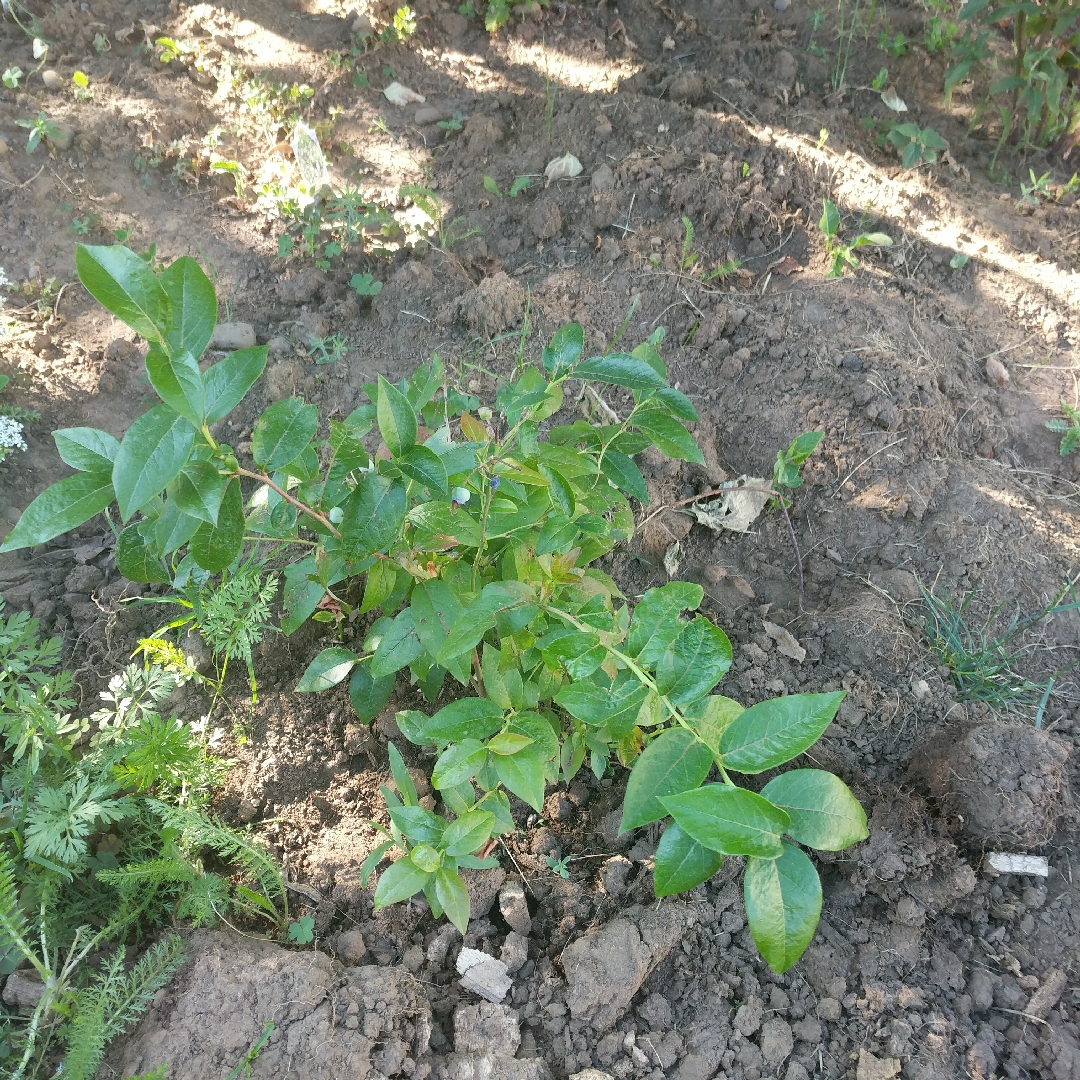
(279, 347)
(781, 5)
(828, 1009)
(53, 80)
(614, 873)
(591, 1074)
(315, 323)
(480, 1028)
(603, 127)
(350, 948)
(610, 249)
(1046, 997)
(997, 374)
(545, 842)
(61, 137)
(875, 1068)
(3, 148)
(546, 220)
(796, 1071)
(432, 114)
(689, 88)
(483, 886)
(483, 975)
(285, 379)
(514, 952)
(748, 1018)
(196, 651)
(776, 1042)
(514, 907)
(603, 179)
(851, 362)
(233, 335)
(980, 989)
(413, 959)
(22, 991)
(301, 287)
(453, 24)
(440, 944)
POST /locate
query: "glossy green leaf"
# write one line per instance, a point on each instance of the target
(694, 663)
(560, 491)
(459, 763)
(667, 433)
(372, 516)
(120, 281)
(468, 833)
(509, 742)
(194, 306)
(774, 731)
(329, 668)
(59, 508)
(398, 882)
(564, 348)
(173, 529)
(402, 779)
(397, 419)
(226, 382)
(624, 474)
(419, 825)
(470, 717)
(134, 557)
(214, 547)
(283, 432)
(198, 491)
(672, 763)
(302, 593)
(656, 623)
(424, 466)
(598, 702)
(153, 451)
(682, 863)
(87, 449)
(676, 403)
(398, 648)
(830, 218)
(523, 774)
(619, 369)
(379, 586)
(454, 897)
(178, 382)
(428, 858)
(783, 905)
(439, 526)
(729, 819)
(367, 693)
(824, 814)
(496, 598)
(435, 609)
(709, 718)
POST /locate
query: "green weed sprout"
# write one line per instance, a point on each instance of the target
(786, 471)
(365, 285)
(41, 128)
(687, 255)
(1068, 428)
(12, 75)
(840, 254)
(448, 232)
(916, 144)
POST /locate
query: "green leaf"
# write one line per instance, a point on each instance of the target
(367, 693)
(695, 662)
(802, 447)
(523, 774)
(824, 814)
(676, 403)
(214, 547)
(435, 609)
(398, 882)
(178, 382)
(451, 892)
(624, 474)
(397, 419)
(474, 718)
(775, 731)
(783, 905)
(601, 703)
(198, 491)
(425, 467)
(134, 558)
(404, 782)
(194, 307)
(468, 833)
(459, 763)
(509, 743)
(326, 670)
(153, 451)
(729, 819)
(656, 622)
(120, 281)
(59, 508)
(496, 599)
(672, 763)
(709, 718)
(373, 516)
(173, 529)
(560, 492)
(545, 743)
(226, 382)
(682, 863)
(619, 369)
(830, 218)
(419, 825)
(379, 586)
(283, 432)
(399, 646)
(87, 449)
(667, 433)
(564, 348)
(438, 524)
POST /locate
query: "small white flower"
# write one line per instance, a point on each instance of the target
(11, 437)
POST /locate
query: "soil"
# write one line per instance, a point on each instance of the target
(931, 385)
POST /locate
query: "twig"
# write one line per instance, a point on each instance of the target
(417, 315)
(516, 866)
(321, 518)
(626, 228)
(56, 306)
(887, 446)
(795, 545)
(25, 183)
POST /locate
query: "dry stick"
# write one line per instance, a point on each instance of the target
(321, 518)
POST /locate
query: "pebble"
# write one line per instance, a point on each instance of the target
(603, 179)
(232, 335)
(351, 948)
(828, 1009)
(3, 148)
(514, 907)
(53, 80)
(63, 135)
(996, 372)
(483, 975)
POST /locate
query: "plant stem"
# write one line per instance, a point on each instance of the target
(264, 479)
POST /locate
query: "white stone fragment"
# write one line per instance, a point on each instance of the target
(1001, 862)
(397, 94)
(483, 975)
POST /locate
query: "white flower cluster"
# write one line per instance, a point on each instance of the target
(11, 437)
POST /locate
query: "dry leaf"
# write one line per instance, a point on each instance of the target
(892, 100)
(785, 641)
(107, 200)
(669, 44)
(786, 266)
(671, 559)
(125, 33)
(561, 168)
(737, 509)
(397, 94)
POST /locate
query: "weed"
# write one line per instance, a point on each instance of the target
(243, 1066)
(11, 77)
(558, 866)
(880, 79)
(81, 226)
(102, 44)
(786, 471)
(235, 170)
(723, 270)
(1040, 185)
(845, 35)
(839, 254)
(327, 350)
(1068, 428)
(520, 185)
(916, 145)
(958, 261)
(687, 255)
(365, 285)
(982, 660)
(82, 86)
(41, 128)
(477, 547)
(939, 34)
(449, 232)
(302, 932)
(454, 124)
(893, 44)
(823, 138)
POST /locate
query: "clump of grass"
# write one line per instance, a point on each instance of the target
(983, 660)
